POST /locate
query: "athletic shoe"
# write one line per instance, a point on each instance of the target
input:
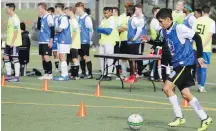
(42, 77)
(75, 78)
(14, 79)
(177, 122)
(82, 75)
(48, 77)
(130, 79)
(8, 77)
(202, 90)
(159, 80)
(139, 76)
(62, 78)
(107, 78)
(88, 77)
(205, 124)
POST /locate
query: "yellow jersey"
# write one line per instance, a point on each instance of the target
(117, 37)
(178, 17)
(203, 28)
(123, 22)
(14, 25)
(74, 28)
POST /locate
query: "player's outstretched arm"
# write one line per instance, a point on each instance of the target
(152, 42)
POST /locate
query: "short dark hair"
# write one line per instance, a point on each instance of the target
(60, 5)
(199, 11)
(139, 5)
(206, 9)
(80, 4)
(130, 10)
(106, 8)
(22, 26)
(51, 9)
(154, 9)
(164, 13)
(66, 8)
(11, 5)
(42, 4)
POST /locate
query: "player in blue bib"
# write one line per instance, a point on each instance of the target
(64, 41)
(178, 37)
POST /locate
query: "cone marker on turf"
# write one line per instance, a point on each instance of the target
(185, 103)
(45, 86)
(82, 110)
(3, 82)
(98, 91)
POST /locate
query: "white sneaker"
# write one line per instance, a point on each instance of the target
(48, 77)
(202, 90)
(139, 76)
(42, 77)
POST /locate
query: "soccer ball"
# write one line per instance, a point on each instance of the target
(135, 121)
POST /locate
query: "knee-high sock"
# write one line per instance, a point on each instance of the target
(124, 68)
(83, 66)
(16, 67)
(198, 74)
(89, 67)
(44, 67)
(56, 63)
(8, 67)
(159, 72)
(153, 69)
(49, 67)
(64, 69)
(177, 109)
(203, 77)
(198, 109)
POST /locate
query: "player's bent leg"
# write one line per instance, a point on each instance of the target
(205, 119)
(89, 67)
(168, 90)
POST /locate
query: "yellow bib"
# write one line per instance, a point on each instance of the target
(117, 38)
(202, 27)
(153, 33)
(178, 17)
(123, 20)
(10, 32)
(76, 44)
(107, 39)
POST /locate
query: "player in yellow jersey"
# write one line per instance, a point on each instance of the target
(76, 43)
(123, 27)
(198, 13)
(178, 15)
(14, 40)
(205, 27)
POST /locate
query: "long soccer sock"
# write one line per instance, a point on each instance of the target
(44, 67)
(124, 68)
(83, 66)
(203, 77)
(49, 67)
(159, 72)
(198, 108)
(177, 109)
(8, 67)
(56, 63)
(89, 67)
(16, 67)
(153, 69)
(64, 68)
(198, 74)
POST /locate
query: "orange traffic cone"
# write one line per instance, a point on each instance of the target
(45, 86)
(98, 91)
(3, 82)
(185, 103)
(82, 110)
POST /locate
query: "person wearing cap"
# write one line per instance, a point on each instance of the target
(189, 19)
(14, 40)
(178, 15)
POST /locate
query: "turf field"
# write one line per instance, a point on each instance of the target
(25, 107)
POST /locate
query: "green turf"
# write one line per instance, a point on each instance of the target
(27, 108)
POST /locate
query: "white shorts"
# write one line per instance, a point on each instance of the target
(64, 48)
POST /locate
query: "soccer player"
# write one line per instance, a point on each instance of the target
(86, 32)
(197, 13)
(51, 10)
(47, 31)
(135, 29)
(189, 19)
(123, 29)
(178, 37)
(107, 40)
(64, 41)
(76, 44)
(14, 40)
(205, 27)
(178, 15)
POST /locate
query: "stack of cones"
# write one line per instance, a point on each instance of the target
(3, 81)
(98, 91)
(185, 103)
(45, 86)
(82, 110)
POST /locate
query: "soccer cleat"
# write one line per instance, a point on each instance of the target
(8, 77)
(48, 77)
(202, 90)
(205, 124)
(14, 79)
(82, 75)
(107, 78)
(88, 77)
(130, 79)
(75, 78)
(139, 76)
(42, 77)
(62, 78)
(177, 122)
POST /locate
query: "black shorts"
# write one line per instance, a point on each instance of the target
(124, 47)
(117, 48)
(74, 53)
(84, 51)
(11, 51)
(182, 77)
(134, 49)
(45, 50)
(24, 55)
